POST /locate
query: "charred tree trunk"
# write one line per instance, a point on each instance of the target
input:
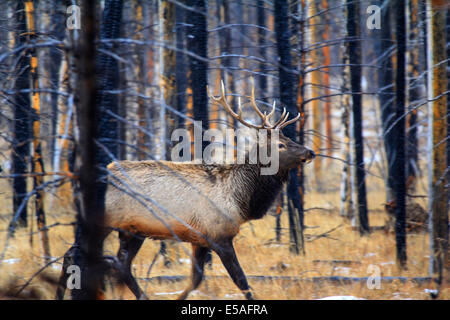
(287, 98)
(399, 129)
(261, 20)
(197, 43)
(98, 141)
(354, 46)
(21, 133)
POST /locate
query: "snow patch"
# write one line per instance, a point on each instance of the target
(12, 260)
(370, 254)
(341, 298)
(181, 260)
(167, 293)
(233, 295)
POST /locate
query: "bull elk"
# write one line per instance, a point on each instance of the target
(197, 203)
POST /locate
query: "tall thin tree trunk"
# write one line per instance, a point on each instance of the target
(355, 48)
(21, 134)
(346, 206)
(229, 63)
(315, 83)
(37, 163)
(414, 94)
(287, 99)
(326, 84)
(261, 20)
(168, 87)
(167, 18)
(98, 141)
(386, 96)
(181, 77)
(437, 85)
(197, 43)
(89, 249)
(58, 26)
(400, 159)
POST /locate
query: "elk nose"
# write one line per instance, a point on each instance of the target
(312, 154)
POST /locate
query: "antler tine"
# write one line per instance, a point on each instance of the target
(282, 118)
(271, 113)
(221, 99)
(286, 123)
(223, 102)
(263, 116)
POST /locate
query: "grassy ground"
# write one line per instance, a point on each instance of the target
(257, 252)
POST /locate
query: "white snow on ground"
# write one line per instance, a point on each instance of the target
(233, 295)
(341, 298)
(187, 261)
(432, 291)
(370, 254)
(343, 271)
(11, 261)
(167, 293)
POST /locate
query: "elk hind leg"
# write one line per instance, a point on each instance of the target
(199, 255)
(129, 247)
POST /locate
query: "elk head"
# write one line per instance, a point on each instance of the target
(290, 153)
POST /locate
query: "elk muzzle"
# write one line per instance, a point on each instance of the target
(310, 155)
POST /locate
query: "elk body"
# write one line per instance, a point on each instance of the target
(204, 205)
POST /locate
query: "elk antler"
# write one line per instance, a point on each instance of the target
(280, 124)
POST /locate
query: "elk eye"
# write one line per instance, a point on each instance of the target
(281, 146)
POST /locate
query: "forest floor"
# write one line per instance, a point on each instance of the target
(333, 248)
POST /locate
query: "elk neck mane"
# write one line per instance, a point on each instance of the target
(255, 193)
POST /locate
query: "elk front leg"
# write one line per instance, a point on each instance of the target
(228, 257)
(199, 255)
(129, 247)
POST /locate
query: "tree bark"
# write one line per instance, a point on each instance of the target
(98, 131)
(414, 94)
(326, 84)
(316, 107)
(386, 96)
(437, 85)
(168, 85)
(197, 41)
(399, 129)
(37, 163)
(21, 134)
(287, 99)
(354, 45)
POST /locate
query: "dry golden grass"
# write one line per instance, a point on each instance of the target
(257, 252)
